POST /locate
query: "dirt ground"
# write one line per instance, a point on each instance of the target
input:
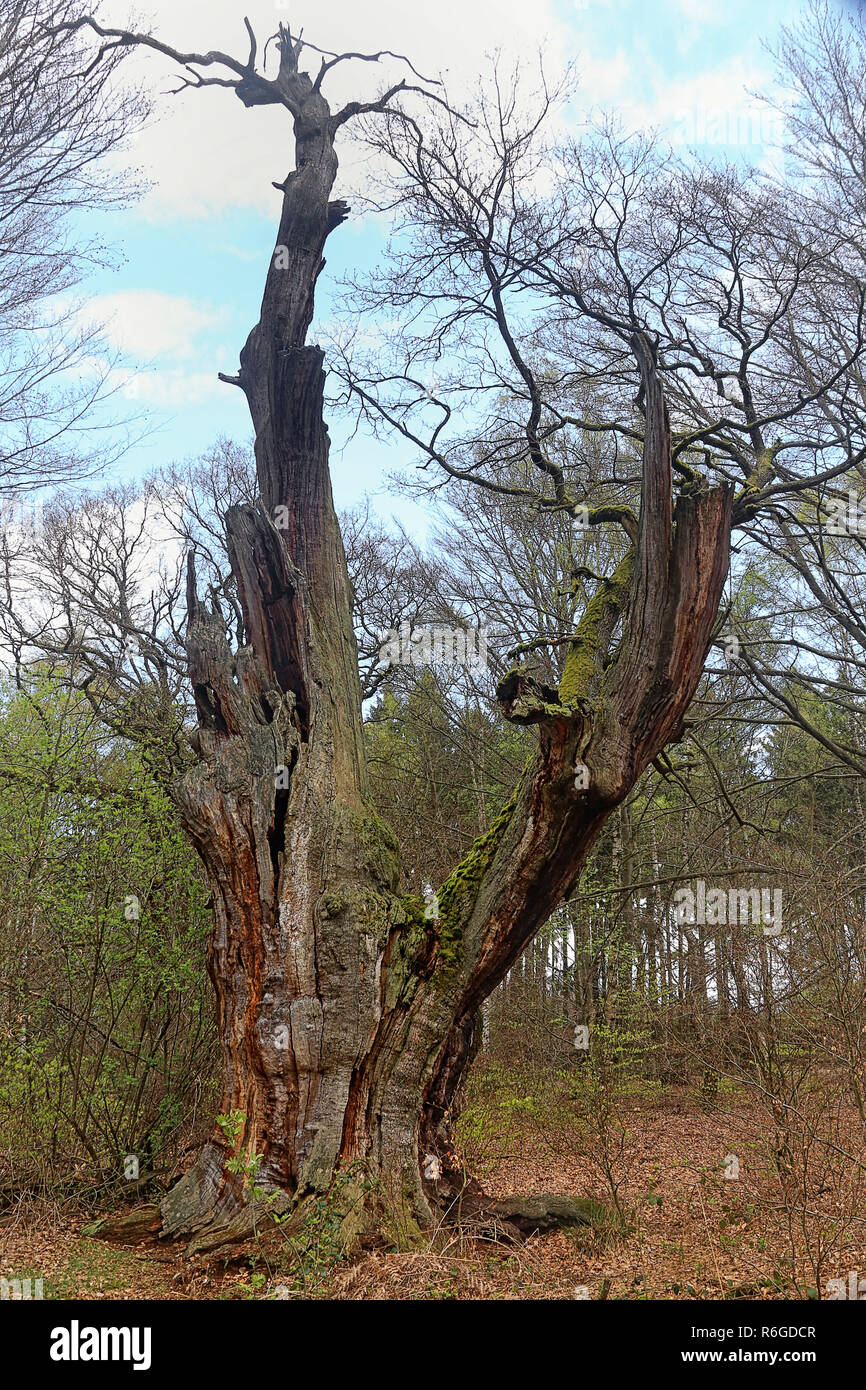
(692, 1232)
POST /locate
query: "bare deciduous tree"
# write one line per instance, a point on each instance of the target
(347, 1010)
(60, 116)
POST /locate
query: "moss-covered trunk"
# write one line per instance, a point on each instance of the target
(347, 1012)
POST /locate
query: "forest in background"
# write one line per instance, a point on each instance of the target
(109, 1045)
(682, 1044)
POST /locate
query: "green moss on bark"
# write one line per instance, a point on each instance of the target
(581, 661)
(407, 914)
(379, 846)
(758, 479)
(459, 892)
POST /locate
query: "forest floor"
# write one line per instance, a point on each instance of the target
(692, 1232)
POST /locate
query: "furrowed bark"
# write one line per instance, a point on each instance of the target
(347, 1013)
(613, 720)
(303, 875)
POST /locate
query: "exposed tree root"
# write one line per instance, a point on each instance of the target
(547, 1211)
(200, 1200)
(131, 1226)
(513, 1219)
(215, 1216)
(212, 1212)
(222, 1226)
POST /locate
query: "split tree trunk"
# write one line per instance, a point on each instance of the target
(347, 1017)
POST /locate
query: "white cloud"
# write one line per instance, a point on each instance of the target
(240, 254)
(702, 12)
(205, 152)
(606, 81)
(170, 388)
(149, 323)
(710, 107)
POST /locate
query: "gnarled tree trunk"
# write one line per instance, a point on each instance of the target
(346, 1012)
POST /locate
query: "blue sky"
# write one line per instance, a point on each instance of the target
(191, 255)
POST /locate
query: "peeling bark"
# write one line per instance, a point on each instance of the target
(347, 1018)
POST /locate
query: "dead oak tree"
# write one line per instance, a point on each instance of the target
(346, 1012)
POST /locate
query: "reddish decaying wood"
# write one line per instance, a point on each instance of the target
(347, 1018)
